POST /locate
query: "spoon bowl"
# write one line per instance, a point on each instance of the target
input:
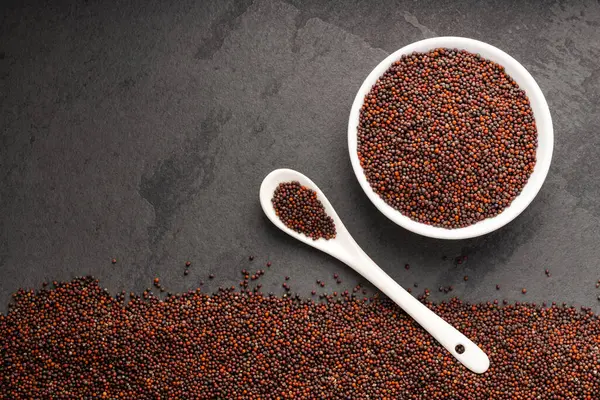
(267, 188)
(344, 248)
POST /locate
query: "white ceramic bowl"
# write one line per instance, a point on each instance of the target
(542, 118)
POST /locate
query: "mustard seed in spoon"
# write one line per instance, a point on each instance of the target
(300, 210)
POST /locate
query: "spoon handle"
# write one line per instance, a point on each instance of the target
(470, 355)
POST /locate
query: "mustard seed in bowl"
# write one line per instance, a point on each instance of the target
(447, 138)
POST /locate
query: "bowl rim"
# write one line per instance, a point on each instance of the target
(542, 118)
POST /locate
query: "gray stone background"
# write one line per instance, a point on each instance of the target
(141, 130)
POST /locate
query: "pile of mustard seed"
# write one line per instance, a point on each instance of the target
(76, 341)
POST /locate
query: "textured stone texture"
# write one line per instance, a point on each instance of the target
(141, 130)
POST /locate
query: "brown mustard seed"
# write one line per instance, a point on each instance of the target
(300, 210)
(447, 138)
(77, 341)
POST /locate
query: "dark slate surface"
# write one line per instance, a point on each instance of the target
(141, 130)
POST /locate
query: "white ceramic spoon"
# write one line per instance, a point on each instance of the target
(345, 249)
